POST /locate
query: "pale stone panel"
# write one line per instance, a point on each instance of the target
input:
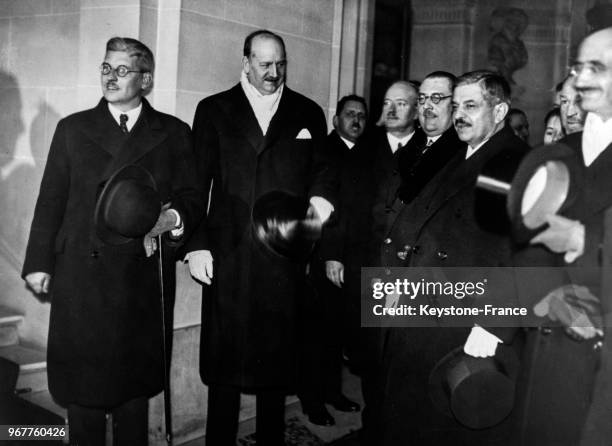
(13, 8)
(45, 49)
(210, 53)
(186, 103)
(213, 8)
(106, 4)
(317, 22)
(308, 68)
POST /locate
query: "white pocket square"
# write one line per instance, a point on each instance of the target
(304, 134)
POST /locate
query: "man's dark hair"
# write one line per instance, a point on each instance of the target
(555, 111)
(259, 33)
(451, 78)
(351, 97)
(495, 88)
(144, 56)
(514, 111)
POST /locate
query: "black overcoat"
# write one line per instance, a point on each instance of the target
(438, 228)
(105, 332)
(249, 312)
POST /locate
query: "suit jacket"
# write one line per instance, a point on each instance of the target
(418, 164)
(249, 312)
(438, 228)
(105, 336)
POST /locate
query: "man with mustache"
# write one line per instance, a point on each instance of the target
(438, 228)
(572, 114)
(430, 150)
(563, 367)
(338, 256)
(257, 137)
(105, 333)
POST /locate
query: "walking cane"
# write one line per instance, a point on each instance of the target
(167, 406)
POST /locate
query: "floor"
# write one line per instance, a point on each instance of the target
(300, 432)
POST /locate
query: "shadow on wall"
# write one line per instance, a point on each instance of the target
(21, 168)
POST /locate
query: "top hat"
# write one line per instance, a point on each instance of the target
(548, 181)
(128, 206)
(477, 392)
(282, 224)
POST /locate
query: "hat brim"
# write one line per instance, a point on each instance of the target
(561, 188)
(130, 172)
(280, 223)
(483, 392)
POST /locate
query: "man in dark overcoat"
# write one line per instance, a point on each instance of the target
(425, 155)
(257, 137)
(560, 364)
(105, 336)
(438, 229)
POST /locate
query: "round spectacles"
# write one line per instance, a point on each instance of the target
(435, 98)
(120, 71)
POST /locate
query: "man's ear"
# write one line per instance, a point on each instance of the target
(147, 81)
(500, 110)
(245, 64)
(335, 121)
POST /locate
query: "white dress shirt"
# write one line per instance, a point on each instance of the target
(132, 115)
(395, 142)
(596, 136)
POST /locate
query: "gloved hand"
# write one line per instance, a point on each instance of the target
(201, 265)
(562, 236)
(38, 282)
(481, 343)
(334, 271)
(575, 308)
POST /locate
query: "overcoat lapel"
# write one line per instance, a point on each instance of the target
(146, 134)
(241, 115)
(103, 130)
(283, 116)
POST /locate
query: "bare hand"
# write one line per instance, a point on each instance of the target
(334, 271)
(165, 222)
(150, 244)
(562, 236)
(201, 265)
(38, 282)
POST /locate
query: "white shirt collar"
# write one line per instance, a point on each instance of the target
(394, 141)
(264, 106)
(132, 115)
(596, 136)
(348, 143)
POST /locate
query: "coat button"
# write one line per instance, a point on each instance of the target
(598, 345)
(95, 254)
(545, 330)
(442, 255)
(387, 241)
(402, 255)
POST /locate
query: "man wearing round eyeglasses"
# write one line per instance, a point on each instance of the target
(104, 351)
(427, 155)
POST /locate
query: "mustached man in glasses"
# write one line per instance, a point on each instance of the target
(105, 337)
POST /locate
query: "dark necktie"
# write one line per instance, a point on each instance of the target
(428, 145)
(122, 120)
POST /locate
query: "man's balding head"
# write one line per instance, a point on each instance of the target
(400, 108)
(593, 71)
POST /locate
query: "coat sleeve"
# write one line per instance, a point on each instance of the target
(206, 150)
(324, 173)
(187, 196)
(50, 207)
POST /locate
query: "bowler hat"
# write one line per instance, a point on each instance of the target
(128, 206)
(477, 392)
(282, 224)
(548, 181)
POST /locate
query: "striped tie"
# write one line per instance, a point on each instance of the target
(122, 120)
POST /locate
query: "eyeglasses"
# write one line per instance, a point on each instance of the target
(120, 71)
(590, 67)
(435, 98)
